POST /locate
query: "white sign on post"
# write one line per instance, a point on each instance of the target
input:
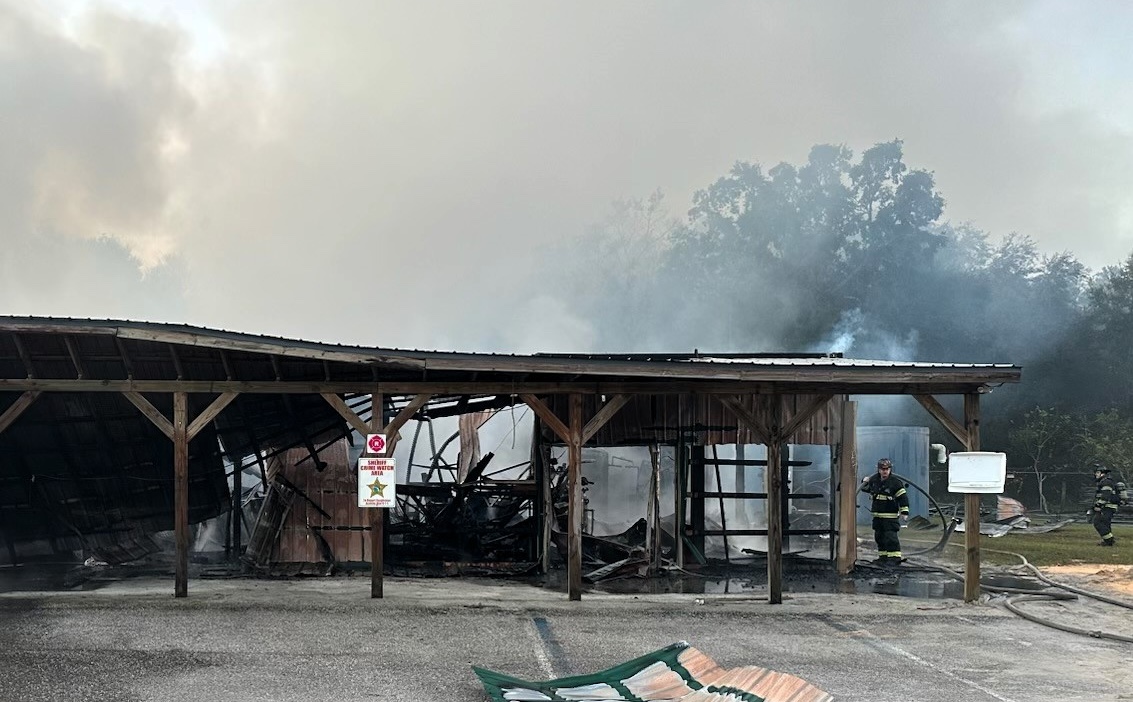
(977, 472)
(377, 482)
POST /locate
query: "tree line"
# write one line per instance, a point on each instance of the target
(853, 253)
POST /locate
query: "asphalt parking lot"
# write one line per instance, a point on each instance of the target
(325, 639)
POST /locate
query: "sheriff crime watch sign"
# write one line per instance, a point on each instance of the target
(377, 482)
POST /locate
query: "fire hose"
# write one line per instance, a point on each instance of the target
(1022, 595)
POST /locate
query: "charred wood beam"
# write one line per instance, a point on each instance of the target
(20, 349)
(76, 360)
(16, 409)
(257, 447)
(300, 431)
(227, 365)
(176, 357)
(752, 462)
(125, 356)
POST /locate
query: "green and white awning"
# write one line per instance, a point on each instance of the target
(676, 672)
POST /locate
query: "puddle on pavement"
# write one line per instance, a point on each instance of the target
(911, 583)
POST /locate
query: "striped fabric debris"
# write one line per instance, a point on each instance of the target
(676, 672)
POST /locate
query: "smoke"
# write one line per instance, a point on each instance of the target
(395, 174)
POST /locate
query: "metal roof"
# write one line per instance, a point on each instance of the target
(743, 367)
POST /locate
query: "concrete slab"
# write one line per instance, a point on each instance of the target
(315, 640)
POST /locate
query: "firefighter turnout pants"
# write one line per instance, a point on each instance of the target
(885, 533)
(1103, 522)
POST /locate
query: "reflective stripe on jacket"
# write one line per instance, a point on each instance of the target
(889, 497)
(1106, 496)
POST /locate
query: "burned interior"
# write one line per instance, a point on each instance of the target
(113, 433)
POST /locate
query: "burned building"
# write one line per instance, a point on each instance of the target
(113, 431)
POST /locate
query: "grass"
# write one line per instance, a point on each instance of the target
(1073, 543)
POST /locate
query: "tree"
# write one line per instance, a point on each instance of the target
(1107, 438)
(791, 251)
(1043, 437)
(1107, 336)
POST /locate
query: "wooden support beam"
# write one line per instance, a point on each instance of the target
(848, 490)
(377, 516)
(210, 413)
(406, 413)
(941, 415)
(548, 417)
(749, 420)
(574, 500)
(152, 412)
(603, 415)
(24, 356)
(546, 507)
(348, 414)
(176, 358)
(76, 360)
(972, 504)
(181, 492)
(125, 356)
(236, 522)
(816, 403)
(653, 510)
(12, 413)
(775, 505)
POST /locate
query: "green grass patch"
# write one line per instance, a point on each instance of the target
(1073, 543)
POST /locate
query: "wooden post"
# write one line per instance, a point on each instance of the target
(543, 505)
(848, 490)
(574, 500)
(972, 505)
(775, 504)
(696, 482)
(181, 492)
(679, 462)
(377, 516)
(653, 509)
(237, 511)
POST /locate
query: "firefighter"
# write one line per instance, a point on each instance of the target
(890, 509)
(1106, 500)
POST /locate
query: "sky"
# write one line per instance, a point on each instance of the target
(402, 174)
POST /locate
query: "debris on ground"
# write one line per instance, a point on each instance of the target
(676, 672)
